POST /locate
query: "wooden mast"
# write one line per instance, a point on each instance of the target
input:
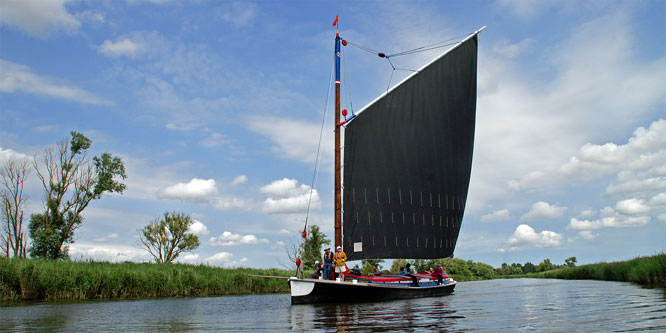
(338, 178)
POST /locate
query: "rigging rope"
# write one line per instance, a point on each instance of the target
(407, 52)
(347, 86)
(321, 132)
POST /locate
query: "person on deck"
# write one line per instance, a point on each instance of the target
(439, 272)
(340, 257)
(355, 270)
(317, 272)
(328, 263)
(376, 271)
(407, 271)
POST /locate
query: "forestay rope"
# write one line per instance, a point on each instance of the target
(316, 167)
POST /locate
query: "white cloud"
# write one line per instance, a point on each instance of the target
(8, 154)
(239, 180)
(229, 239)
(284, 232)
(224, 259)
(632, 206)
(38, 18)
(111, 253)
(610, 218)
(542, 210)
(121, 47)
(589, 235)
(188, 258)
(289, 197)
(657, 200)
(195, 190)
(198, 228)
(15, 78)
(220, 257)
(223, 204)
(587, 213)
(525, 235)
(298, 143)
(497, 216)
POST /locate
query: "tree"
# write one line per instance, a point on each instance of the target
(529, 267)
(545, 265)
(12, 237)
(165, 239)
(312, 246)
(67, 172)
(368, 265)
(397, 265)
(570, 262)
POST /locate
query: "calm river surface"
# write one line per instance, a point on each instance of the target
(511, 305)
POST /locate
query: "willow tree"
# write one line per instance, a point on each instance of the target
(71, 181)
(165, 239)
(311, 247)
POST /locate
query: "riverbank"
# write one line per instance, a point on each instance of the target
(51, 280)
(647, 271)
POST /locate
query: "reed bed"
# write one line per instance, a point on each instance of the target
(35, 279)
(648, 271)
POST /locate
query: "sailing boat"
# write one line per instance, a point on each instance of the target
(407, 166)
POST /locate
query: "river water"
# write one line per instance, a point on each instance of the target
(510, 305)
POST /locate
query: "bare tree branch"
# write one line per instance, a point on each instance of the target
(12, 178)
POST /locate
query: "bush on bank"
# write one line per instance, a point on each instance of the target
(649, 271)
(37, 279)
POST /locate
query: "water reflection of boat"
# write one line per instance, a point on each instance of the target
(407, 165)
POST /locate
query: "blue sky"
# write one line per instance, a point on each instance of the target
(215, 108)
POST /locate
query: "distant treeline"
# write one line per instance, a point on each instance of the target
(38, 279)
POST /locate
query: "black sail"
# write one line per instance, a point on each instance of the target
(407, 163)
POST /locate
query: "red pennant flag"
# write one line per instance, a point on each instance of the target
(336, 20)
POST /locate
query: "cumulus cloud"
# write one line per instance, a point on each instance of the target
(542, 210)
(198, 228)
(224, 259)
(8, 154)
(219, 257)
(497, 216)
(632, 206)
(16, 78)
(610, 218)
(525, 235)
(239, 180)
(286, 196)
(231, 203)
(657, 200)
(38, 18)
(299, 143)
(195, 190)
(188, 258)
(121, 47)
(229, 239)
(111, 253)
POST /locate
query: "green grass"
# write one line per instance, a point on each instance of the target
(648, 271)
(35, 279)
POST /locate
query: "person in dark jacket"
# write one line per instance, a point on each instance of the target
(328, 263)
